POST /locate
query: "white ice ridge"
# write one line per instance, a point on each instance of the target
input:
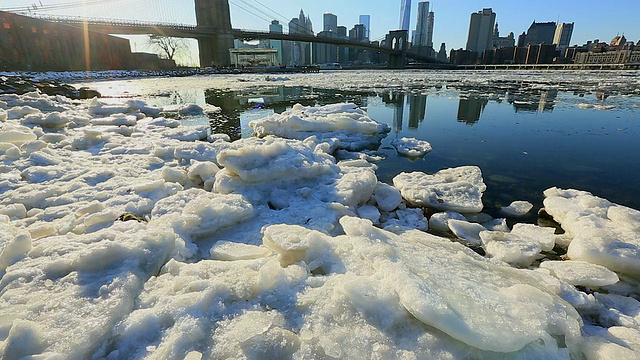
(603, 233)
(124, 234)
(349, 125)
(412, 147)
(457, 189)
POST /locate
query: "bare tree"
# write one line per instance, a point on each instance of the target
(169, 46)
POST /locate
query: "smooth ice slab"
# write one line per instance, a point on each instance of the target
(581, 273)
(456, 189)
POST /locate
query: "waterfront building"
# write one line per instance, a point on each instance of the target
(366, 21)
(463, 57)
(541, 33)
(502, 42)
(481, 31)
(405, 14)
(562, 36)
(608, 57)
(442, 54)
(254, 57)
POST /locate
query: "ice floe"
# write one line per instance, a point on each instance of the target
(456, 189)
(349, 125)
(412, 147)
(517, 208)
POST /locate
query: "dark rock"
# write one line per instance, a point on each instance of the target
(21, 85)
(86, 93)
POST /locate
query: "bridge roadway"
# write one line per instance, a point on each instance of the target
(193, 31)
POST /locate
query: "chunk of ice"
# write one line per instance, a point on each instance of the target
(456, 189)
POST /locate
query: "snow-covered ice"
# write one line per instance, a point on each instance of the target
(412, 147)
(517, 208)
(127, 234)
(602, 233)
(456, 189)
(350, 126)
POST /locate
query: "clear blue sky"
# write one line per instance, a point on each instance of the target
(593, 19)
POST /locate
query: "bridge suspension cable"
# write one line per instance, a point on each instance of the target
(57, 6)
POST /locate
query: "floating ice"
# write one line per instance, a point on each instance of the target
(456, 189)
(517, 208)
(603, 233)
(351, 126)
(411, 147)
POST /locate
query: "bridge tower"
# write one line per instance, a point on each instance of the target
(398, 40)
(213, 16)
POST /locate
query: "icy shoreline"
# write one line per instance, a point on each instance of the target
(270, 248)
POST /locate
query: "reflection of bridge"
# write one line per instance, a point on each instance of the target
(215, 34)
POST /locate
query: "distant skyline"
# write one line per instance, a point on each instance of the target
(593, 19)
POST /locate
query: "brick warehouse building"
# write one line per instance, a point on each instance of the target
(29, 44)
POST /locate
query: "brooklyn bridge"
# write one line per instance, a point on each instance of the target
(215, 34)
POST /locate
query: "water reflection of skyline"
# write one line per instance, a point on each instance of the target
(417, 108)
(543, 102)
(407, 107)
(470, 109)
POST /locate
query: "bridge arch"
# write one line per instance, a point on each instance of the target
(398, 41)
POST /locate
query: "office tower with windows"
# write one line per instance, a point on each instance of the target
(366, 21)
(562, 37)
(405, 14)
(481, 31)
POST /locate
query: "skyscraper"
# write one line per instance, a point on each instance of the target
(405, 14)
(276, 27)
(481, 30)
(540, 33)
(366, 21)
(424, 27)
(330, 22)
(562, 37)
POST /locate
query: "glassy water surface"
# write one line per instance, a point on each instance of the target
(524, 141)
